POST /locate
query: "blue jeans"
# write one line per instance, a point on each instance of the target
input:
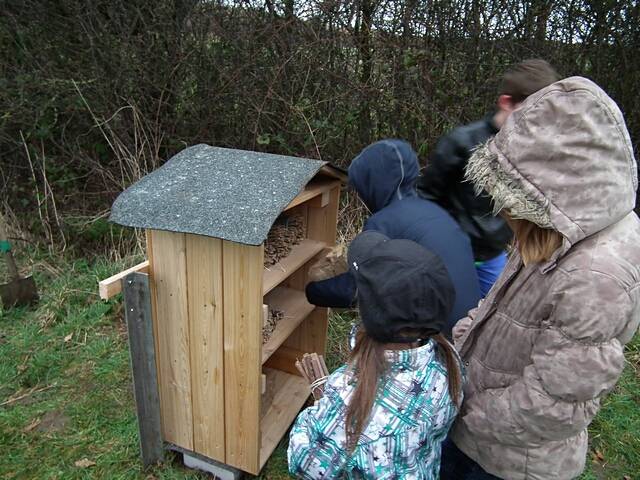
(455, 465)
(489, 271)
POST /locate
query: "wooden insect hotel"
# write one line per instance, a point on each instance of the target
(230, 237)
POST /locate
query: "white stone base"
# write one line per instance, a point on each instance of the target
(218, 470)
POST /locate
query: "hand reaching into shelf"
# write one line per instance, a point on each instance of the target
(330, 265)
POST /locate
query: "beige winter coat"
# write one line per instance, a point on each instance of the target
(547, 343)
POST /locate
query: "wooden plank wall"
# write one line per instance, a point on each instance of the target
(242, 273)
(204, 278)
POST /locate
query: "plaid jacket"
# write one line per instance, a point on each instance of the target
(409, 421)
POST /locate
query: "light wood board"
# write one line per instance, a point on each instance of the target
(111, 286)
(242, 273)
(154, 309)
(168, 264)
(204, 279)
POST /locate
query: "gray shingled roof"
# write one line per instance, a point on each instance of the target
(219, 192)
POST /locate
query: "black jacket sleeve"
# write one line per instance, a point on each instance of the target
(336, 292)
(444, 168)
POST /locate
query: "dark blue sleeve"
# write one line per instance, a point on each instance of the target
(336, 292)
(339, 291)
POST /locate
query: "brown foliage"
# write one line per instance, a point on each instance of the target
(103, 91)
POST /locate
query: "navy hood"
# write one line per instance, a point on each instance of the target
(385, 171)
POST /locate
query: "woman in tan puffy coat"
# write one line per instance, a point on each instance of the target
(546, 345)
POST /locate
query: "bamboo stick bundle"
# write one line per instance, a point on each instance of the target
(283, 236)
(271, 317)
(314, 369)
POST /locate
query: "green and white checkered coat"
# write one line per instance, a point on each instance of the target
(410, 419)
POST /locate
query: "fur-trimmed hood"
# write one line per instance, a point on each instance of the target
(563, 160)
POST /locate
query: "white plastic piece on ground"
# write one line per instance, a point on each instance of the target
(217, 470)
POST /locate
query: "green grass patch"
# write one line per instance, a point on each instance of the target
(66, 390)
(65, 382)
(614, 434)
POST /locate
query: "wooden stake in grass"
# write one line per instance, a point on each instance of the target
(314, 369)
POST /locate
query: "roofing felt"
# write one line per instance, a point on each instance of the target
(219, 192)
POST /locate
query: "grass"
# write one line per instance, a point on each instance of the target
(66, 390)
(614, 434)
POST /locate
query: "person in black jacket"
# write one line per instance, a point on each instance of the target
(384, 175)
(443, 182)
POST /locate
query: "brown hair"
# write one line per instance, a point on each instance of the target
(368, 364)
(535, 244)
(527, 77)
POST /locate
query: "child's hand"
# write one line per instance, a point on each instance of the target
(333, 263)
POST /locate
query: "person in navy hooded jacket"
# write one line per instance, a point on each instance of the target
(384, 174)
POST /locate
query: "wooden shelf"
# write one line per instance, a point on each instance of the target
(312, 190)
(290, 394)
(300, 254)
(295, 307)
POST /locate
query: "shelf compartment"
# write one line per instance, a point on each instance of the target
(312, 190)
(299, 255)
(295, 307)
(289, 396)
